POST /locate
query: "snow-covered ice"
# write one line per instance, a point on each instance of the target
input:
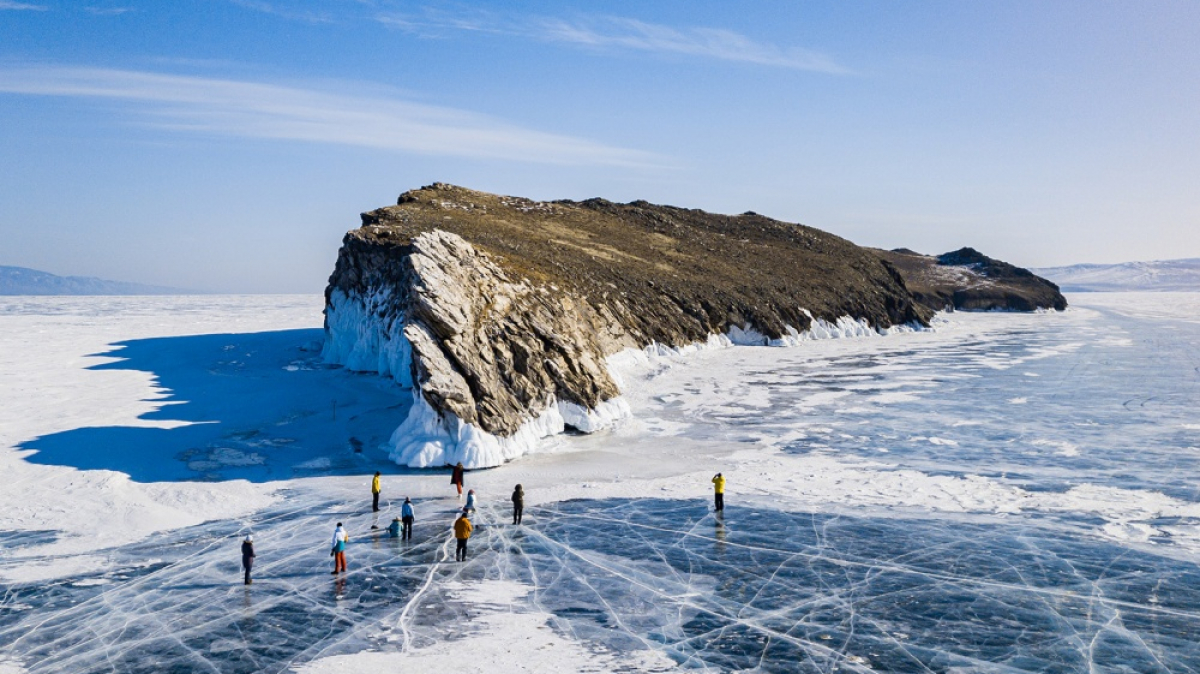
(890, 506)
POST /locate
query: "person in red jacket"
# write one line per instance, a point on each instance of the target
(456, 478)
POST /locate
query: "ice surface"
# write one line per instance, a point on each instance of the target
(1057, 535)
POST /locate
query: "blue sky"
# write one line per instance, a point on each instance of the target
(229, 144)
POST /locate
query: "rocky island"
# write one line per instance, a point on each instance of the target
(966, 279)
(500, 312)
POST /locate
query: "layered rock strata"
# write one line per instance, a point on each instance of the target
(966, 279)
(500, 312)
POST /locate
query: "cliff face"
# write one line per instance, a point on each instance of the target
(500, 311)
(969, 280)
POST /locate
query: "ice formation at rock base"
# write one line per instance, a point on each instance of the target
(363, 336)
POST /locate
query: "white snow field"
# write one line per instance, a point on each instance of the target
(1004, 493)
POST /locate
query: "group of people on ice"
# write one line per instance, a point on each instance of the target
(402, 526)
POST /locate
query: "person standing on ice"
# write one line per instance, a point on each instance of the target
(470, 501)
(462, 532)
(375, 489)
(456, 478)
(339, 549)
(719, 492)
(248, 556)
(408, 516)
(518, 499)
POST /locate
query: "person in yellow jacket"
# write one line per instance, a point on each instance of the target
(719, 492)
(462, 532)
(375, 489)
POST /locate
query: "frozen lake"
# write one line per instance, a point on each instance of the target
(1006, 493)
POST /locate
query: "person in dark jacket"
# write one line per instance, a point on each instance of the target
(408, 516)
(518, 499)
(456, 478)
(248, 556)
(462, 532)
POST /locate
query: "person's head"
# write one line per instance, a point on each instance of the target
(718, 475)
(466, 512)
(249, 538)
(519, 488)
(470, 491)
(459, 465)
(339, 525)
(377, 473)
(395, 519)
(407, 500)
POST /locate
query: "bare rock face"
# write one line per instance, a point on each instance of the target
(966, 279)
(491, 350)
(500, 311)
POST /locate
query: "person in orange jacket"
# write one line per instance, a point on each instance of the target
(462, 532)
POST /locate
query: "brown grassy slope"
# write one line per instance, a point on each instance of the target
(671, 274)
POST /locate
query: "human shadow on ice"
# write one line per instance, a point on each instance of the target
(255, 406)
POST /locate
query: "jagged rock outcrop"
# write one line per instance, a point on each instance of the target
(500, 311)
(966, 279)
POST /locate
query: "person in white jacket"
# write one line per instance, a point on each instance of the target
(339, 549)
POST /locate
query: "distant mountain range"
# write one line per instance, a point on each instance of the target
(22, 281)
(1162, 275)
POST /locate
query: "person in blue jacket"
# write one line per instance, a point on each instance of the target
(394, 528)
(408, 516)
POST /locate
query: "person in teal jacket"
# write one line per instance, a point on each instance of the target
(339, 549)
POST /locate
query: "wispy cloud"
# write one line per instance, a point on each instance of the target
(260, 110)
(9, 4)
(627, 34)
(714, 43)
(108, 11)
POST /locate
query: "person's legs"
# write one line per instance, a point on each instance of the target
(406, 531)
(517, 514)
(375, 502)
(340, 562)
(460, 550)
(246, 564)
(719, 500)
(458, 485)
